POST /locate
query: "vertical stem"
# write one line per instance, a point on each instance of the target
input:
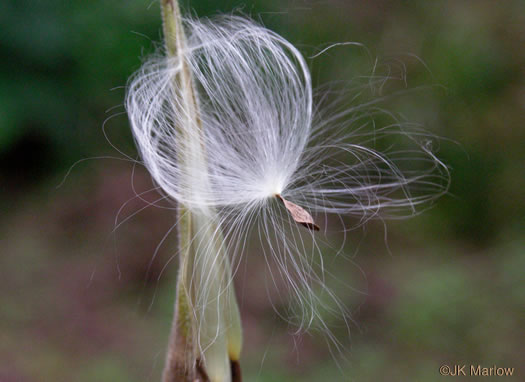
(182, 347)
(206, 335)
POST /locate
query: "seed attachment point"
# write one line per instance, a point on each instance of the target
(299, 214)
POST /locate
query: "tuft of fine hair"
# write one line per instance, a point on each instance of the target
(266, 134)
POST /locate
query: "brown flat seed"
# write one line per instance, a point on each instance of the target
(299, 214)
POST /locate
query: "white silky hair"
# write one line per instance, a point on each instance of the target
(263, 136)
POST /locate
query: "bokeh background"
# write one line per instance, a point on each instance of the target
(81, 298)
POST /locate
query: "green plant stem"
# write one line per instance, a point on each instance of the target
(181, 354)
(182, 348)
(222, 355)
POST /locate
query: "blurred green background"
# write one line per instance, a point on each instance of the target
(83, 300)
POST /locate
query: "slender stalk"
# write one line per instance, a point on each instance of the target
(182, 347)
(216, 326)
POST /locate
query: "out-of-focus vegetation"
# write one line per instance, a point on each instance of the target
(82, 301)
